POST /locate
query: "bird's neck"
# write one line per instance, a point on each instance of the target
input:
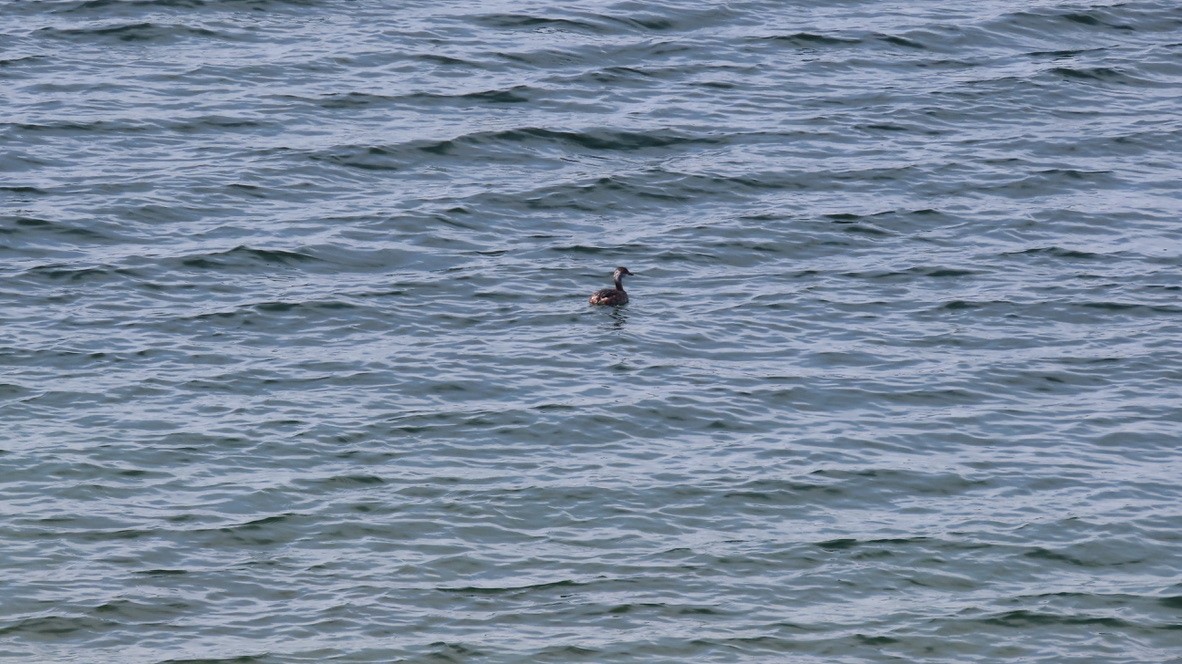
(620, 283)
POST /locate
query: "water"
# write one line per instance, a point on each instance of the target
(298, 365)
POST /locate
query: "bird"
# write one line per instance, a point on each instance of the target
(613, 296)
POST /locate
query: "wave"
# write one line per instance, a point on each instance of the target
(504, 144)
(244, 256)
(102, 6)
(134, 32)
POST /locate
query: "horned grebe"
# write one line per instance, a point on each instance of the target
(613, 296)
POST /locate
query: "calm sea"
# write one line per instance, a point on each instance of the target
(296, 361)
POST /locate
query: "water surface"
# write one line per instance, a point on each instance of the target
(298, 365)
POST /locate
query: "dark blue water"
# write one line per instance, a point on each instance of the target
(296, 361)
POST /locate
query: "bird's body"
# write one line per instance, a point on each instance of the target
(612, 296)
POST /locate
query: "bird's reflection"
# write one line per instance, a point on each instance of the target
(619, 316)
